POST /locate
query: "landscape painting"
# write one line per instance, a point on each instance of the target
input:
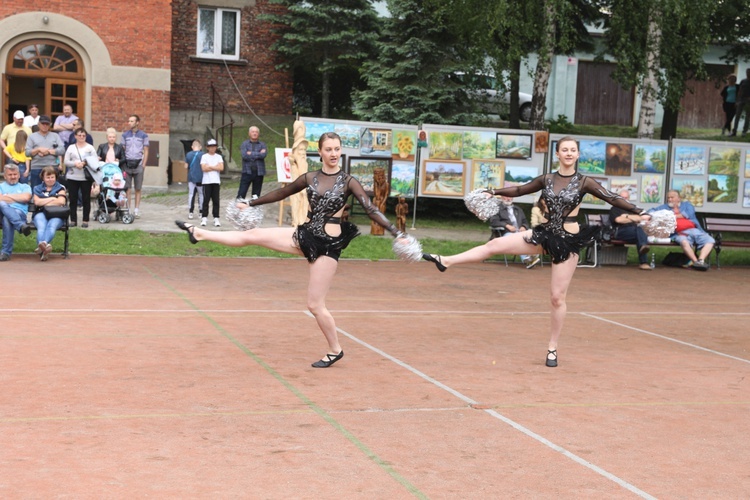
(722, 188)
(403, 177)
(349, 135)
(313, 131)
(619, 185)
(746, 196)
(363, 169)
(723, 160)
(689, 160)
(445, 145)
(650, 159)
(592, 160)
(593, 200)
(443, 178)
(690, 189)
(516, 146)
(515, 175)
(479, 145)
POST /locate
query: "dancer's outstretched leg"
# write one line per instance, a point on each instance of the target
(562, 274)
(322, 272)
(274, 238)
(511, 245)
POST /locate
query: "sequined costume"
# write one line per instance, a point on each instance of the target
(327, 195)
(563, 194)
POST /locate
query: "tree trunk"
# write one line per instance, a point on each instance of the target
(543, 69)
(669, 124)
(650, 85)
(325, 94)
(514, 115)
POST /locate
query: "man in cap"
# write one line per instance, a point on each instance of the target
(44, 148)
(8, 135)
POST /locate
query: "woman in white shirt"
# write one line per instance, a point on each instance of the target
(78, 178)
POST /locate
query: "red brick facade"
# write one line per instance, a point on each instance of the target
(115, 105)
(266, 89)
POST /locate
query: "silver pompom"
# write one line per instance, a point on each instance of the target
(661, 224)
(481, 205)
(244, 218)
(408, 248)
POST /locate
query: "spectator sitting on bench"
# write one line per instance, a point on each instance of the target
(627, 228)
(49, 193)
(508, 220)
(689, 232)
(14, 205)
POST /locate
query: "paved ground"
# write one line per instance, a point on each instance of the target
(160, 208)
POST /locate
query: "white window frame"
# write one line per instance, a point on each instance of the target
(218, 24)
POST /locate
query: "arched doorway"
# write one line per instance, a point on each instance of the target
(47, 73)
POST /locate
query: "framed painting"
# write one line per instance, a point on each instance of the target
(375, 141)
(443, 178)
(403, 179)
(404, 145)
(652, 189)
(593, 200)
(363, 168)
(516, 175)
(617, 186)
(746, 195)
(689, 160)
(690, 189)
(722, 188)
(445, 145)
(747, 164)
(724, 161)
(315, 163)
(554, 161)
(541, 141)
(618, 159)
(650, 159)
(349, 135)
(479, 145)
(313, 131)
(487, 174)
(515, 146)
(592, 159)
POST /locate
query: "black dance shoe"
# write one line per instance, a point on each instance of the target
(436, 260)
(552, 362)
(332, 358)
(188, 228)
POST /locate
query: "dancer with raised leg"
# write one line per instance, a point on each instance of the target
(320, 239)
(559, 235)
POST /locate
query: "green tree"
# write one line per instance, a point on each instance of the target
(412, 79)
(323, 37)
(659, 45)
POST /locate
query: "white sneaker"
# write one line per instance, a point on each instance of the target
(203, 221)
(137, 214)
(217, 223)
(255, 197)
(190, 215)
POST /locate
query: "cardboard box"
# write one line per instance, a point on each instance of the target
(179, 171)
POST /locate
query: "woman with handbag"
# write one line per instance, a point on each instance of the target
(50, 200)
(78, 177)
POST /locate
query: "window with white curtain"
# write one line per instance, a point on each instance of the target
(218, 33)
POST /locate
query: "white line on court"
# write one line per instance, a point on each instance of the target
(664, 337)
(504, 419)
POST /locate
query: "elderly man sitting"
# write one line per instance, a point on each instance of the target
(14, 205)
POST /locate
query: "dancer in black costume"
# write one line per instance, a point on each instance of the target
(560, 236)
(320, 239)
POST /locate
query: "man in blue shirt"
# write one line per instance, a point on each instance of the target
(14, 205)
(689, 232)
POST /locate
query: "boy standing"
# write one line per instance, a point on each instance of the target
(211, 165)
(195, 176)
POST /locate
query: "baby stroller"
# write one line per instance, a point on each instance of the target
(112, 198)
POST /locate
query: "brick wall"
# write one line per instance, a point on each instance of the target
(267, 90)
(115, 105)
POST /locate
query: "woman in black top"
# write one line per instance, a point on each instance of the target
(320, 239)
(560, 236)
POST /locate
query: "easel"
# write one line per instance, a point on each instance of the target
(281, 203)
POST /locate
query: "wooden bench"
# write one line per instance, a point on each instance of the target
(714, 226)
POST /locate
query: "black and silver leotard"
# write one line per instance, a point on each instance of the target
(327, 195)
(563, 195)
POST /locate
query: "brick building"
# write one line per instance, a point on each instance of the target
(154, 58)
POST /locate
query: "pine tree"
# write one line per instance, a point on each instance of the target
(410, 81)
(324, 36)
